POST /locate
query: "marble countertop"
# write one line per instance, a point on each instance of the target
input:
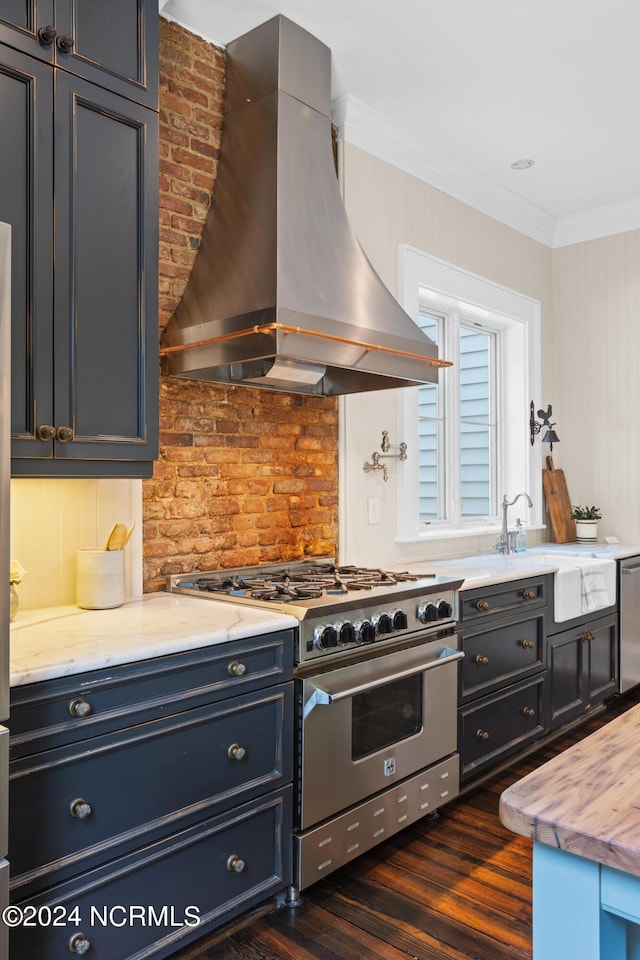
(586, 800)
(60, 641)
(484, 569)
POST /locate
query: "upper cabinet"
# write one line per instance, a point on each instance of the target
(112, 43)
(79, 186)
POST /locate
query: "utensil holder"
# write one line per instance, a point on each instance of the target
(100, 582)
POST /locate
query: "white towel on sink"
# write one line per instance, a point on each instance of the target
(593, 590)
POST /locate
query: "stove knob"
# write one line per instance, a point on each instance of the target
(400, 620)
(427, 612)
(346, 632)
(444, 609)
(365, 631)
(382, 623)
(324, 637)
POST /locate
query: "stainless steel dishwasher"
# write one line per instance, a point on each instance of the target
(629, 600)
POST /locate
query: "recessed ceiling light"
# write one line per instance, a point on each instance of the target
(522, 164)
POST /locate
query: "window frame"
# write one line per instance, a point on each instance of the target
(431, 283)
(451, 317)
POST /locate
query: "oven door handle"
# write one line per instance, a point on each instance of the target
(323, 698)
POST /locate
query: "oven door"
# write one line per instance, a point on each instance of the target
(370, 724)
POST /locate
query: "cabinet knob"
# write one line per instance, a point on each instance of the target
(528, 712)
(46, 432)
(236, 752)
(482, 734)
(528, 644)
(46, 35)
(64, 434)
(481, 660)
(79, 944)
(65, 43)
(80, 808)
(236, 669)
(528, 594)
(235, 864)
(586, 636)
(482, 605)
(80, 708)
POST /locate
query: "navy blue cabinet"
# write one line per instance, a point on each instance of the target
(583, 672)
(163, 784)
(501, 703)
(111, 44)
(79, 186)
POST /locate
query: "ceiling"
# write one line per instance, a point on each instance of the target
(454, 91)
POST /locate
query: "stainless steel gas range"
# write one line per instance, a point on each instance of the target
(376, 690)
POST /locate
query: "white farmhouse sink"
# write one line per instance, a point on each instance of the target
(568, 583)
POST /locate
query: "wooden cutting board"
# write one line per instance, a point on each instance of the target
(558, 504)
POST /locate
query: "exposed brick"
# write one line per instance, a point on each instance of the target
(244, 476)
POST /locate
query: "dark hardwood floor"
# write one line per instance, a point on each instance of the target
(454, 888)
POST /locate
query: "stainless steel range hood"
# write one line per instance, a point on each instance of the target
(281, 294)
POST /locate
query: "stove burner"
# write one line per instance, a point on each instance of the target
(280, 586)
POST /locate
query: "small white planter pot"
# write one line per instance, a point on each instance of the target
(586, 531)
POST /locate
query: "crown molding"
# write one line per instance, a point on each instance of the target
(363, 127)
(596, 223)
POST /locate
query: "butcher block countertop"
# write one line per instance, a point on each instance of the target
(59, 641)
(586, 800)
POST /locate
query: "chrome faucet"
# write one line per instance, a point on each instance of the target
(502, 543)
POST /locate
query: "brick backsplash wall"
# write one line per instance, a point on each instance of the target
(244, 476)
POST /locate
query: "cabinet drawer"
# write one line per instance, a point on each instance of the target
(500, 598)
(57, 712)
(73, 808)
(186, 875)
(498, 655)
(498, 725)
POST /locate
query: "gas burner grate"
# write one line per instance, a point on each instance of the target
(304, 583)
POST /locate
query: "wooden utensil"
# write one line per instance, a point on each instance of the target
(117, 537)
(558, 504)
(128, 536)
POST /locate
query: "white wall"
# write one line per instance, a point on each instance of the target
(388, 207)
(50, 519)
(594, 362)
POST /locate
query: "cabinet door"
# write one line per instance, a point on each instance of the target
(26, 202)
(20, 23)
(106, 340)
(114, 44)
(602, 661)
(566, 685)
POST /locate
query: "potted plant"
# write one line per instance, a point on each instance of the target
(586, 519)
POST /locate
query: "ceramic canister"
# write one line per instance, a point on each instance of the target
(100, 582)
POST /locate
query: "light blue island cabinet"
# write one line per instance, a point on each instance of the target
(582, 811)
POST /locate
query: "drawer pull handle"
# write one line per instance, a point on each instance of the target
(528, 712)
(65, 43)
(235, 864)
(587, 636)
(528, 644)
(64, 434)
(482, 734)
(528, 594)
(46, 432)
(46, 35)
(482, 605)
(236, 752)
(80, 808)
(79, 944)
(80, 708)
(481, 660)
(236, 669)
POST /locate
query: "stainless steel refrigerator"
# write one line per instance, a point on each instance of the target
(5, 408)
